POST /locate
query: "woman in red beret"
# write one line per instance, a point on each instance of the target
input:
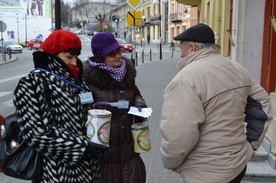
(111, 78)
(52, 114)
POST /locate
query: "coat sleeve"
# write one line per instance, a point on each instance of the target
(37, 123)
(257, 115)
(182, 114)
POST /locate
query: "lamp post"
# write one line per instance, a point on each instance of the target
(17, 21)
(57, 15)
(26, 30)
(116, 27)
(143, 30)
(157, 2)
(165, 21)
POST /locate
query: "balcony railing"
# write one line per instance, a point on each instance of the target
(174, 17)
(155, 18)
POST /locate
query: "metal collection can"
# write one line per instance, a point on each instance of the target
(2, 131)
(2, 125)
(98, 126)
(141, 137)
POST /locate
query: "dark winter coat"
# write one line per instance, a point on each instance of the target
(52, 120)
(121, 164)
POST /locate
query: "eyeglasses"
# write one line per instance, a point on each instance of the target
(115, 52)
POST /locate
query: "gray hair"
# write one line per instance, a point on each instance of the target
(201, 45)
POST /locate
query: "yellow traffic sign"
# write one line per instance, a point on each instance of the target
(134, 18)
(134, 4)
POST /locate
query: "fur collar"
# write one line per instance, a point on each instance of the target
(54, 64)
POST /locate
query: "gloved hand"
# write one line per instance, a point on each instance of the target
(139, 108)
(102, 105)
(94, 149)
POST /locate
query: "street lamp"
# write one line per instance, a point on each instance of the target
(116, 27)
(57, 15)
(17, 21)
(157, 2)
(143, 30)
(26, 29)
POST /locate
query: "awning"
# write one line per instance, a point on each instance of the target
(189, 2)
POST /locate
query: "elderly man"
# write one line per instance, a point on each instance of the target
(214, 115)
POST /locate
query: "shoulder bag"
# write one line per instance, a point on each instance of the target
(17, 158)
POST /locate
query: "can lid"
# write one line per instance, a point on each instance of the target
(99, 113)
(139, 125)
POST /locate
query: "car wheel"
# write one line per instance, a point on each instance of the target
(30, 48)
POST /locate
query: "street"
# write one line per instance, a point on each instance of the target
(10, 74)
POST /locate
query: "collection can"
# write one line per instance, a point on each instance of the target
(2, 131)
(141, 137)
(98, 126)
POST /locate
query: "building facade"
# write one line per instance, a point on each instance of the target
(89, 13)
(181, 17)
(164, 19)
(118, 17)
(22, 20)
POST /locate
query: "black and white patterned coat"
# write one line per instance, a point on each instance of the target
(52, 120)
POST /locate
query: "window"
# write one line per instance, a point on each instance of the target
(172, 8)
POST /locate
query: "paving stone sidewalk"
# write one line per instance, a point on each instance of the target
(152, 78)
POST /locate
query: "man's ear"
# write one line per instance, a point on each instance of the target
(193, 47)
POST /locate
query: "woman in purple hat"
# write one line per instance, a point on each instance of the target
(111, 78)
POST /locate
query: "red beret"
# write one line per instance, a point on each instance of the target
(61, 40)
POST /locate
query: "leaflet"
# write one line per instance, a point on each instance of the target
(146, 112)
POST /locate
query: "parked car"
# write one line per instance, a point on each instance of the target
(66, 28)
(80, 31)
(35, 44)
(126, 47)
(90, 33)
(13, 46)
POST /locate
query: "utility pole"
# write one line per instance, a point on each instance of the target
(160, 30)
(26, 30)
(57, 15)
(17, 21)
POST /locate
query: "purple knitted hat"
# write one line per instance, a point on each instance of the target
(103, 43)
